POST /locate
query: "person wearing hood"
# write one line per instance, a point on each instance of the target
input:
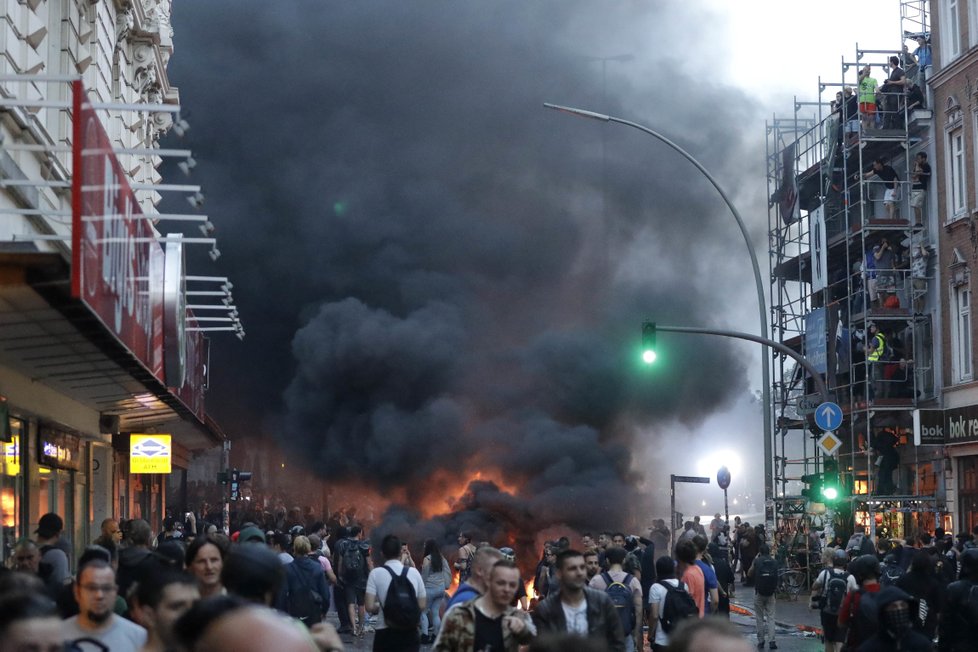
(894, 631)
(958, 629)
(138, 559)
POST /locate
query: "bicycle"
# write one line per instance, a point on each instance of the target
(791, 583)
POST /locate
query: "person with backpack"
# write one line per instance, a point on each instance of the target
(669, 604)
(764, 572)
(490, 621)
(466, 550)
(306, 591)
(828, 592)
(958, 628)
(396, 592)
(858, 611)
(354, 567)
(891, 570)
(625, 592)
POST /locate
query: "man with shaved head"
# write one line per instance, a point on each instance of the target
(478, 583)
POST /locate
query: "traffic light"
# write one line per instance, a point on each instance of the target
(813, 487)
(237, 477)
(648, 342)
(832, 488)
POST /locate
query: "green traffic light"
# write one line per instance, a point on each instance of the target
(831, 493)
(648, 342)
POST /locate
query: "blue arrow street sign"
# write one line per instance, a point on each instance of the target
(828, 416)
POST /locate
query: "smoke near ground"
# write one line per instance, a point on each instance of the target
(437, 275)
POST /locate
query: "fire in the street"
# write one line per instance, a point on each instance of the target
(445, 489)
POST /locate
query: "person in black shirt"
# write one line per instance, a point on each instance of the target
(893, 91)
(918, 191)
(891, 182)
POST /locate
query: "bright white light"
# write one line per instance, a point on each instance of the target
(711, 463)
(735, 501)
(704, 503)
(648, 356)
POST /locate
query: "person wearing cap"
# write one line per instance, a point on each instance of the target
(55, 566)
(250, 533)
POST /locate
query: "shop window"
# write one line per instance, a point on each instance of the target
(11, 488)
(968, 492)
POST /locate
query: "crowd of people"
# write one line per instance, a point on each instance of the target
(186, 590)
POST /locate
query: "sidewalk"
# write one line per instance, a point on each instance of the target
(787, 613)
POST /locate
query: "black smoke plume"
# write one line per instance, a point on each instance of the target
(436, 274)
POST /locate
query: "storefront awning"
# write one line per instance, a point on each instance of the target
(56, 340)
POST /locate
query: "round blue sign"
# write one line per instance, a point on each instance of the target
(723, 477)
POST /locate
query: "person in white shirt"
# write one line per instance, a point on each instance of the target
(387, 638)
(665, 571)
(95, 592)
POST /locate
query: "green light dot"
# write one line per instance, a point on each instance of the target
(648, 356)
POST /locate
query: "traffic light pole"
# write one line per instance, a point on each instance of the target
(758, 284)
(777, 346)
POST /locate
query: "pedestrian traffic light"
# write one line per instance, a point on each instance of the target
(648, 342)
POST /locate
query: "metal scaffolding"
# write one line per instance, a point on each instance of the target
(848, 259)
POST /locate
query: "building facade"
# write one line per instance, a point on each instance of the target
(955, 47)
(96, 342)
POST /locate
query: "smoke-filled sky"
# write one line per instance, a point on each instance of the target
(438, 275)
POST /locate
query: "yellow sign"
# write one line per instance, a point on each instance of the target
(150, 453)
(10, 458)
(829, 443)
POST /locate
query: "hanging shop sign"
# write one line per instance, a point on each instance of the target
(59, 450)
(150, 454)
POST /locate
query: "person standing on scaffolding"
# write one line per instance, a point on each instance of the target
(867, 98)
(893, 92)
(875, 356)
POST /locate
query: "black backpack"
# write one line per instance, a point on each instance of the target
(677, 607)
(352, 561)
(303, 601)
(765, 576)
(891, 573)
(401, 610)
(834, 592)
(621, 596)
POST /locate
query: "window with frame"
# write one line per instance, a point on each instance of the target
(950, 30)
(961, 354)
(972, 22)
(956, 164)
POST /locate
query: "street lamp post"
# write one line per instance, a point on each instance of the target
(761, 304)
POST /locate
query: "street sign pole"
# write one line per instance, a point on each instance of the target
(672, 513)
(673, 479)
(723, 479)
